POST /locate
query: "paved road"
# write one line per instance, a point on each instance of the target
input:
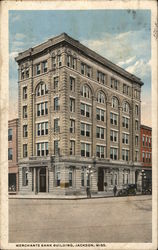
(123, 219)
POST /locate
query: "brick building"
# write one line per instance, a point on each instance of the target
(76, 109)
(13, 156)
(146, 154)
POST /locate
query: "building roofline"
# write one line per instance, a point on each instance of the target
(75, 43)
(145, 127)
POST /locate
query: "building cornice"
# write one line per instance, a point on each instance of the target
(65, 39)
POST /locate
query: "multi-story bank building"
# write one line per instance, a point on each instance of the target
(77, 110)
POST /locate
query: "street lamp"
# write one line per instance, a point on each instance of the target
(143, 174)
(89, 174)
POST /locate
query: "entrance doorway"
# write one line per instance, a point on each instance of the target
(100, 179)
(42, 175)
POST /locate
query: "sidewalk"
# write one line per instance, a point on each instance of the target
(61, 197)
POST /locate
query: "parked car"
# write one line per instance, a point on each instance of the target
(147, 191)
(128, 189)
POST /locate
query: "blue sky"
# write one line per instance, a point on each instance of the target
(122, 36)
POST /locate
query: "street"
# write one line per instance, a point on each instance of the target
(120, 219)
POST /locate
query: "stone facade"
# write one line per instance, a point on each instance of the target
(13, 156)
(79, 110)
(146, 155)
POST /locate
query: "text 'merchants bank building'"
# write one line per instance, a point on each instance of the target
(76, 109)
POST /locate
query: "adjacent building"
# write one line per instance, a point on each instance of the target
(13, 156)
(76, 110)
(146, 155)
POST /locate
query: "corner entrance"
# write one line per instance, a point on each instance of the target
(100, 179)
(42, 175)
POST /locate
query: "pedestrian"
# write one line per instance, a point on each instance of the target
(88, 192)
(115, 190)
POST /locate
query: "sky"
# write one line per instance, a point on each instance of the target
(122, 36)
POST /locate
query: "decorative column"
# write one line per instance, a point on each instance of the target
(120, 134)
(108, 129)
(93, 131)
(35, 191)
(47, 180)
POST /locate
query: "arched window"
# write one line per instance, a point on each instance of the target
(101, 97)
(41, 89)
(85, 91)
(125, 107)
(115, 102)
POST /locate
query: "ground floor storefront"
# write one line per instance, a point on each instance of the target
(13, 180)
(71, 177)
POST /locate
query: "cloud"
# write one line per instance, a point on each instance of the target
(127, 62)
(19, 36)
(121, 47)
(140, 68)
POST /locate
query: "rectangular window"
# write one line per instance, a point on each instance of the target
(89, 71)
(42, 108)
(136, 140)
(58, 179)
(59, 60)
(24, 176)
(85, 110)
(38, 69)
(72, 105)
(146, 141)
(74, 63)
(72, 147)
(68, 60)
(125, 138)
(114, 136)
(24, 111)
(114, 83)
(100, 114)
(100, 132)
(45, 66)
(136, 155)
(136, 125)
(56, 147)
(54, 62)
(125, 122)
(125, 155)
(72, 84)
(114, 119)
(82, 178)
(85, 149)
(70, 179)
(42, 149)
(136, 110)
(85, 129)
(143, 157)
(24, 93)
(27, 72)
(100, 77)
(22, 74)
(46, 128)
(72, 126)
(24, 130)
(46, 148)
(24, 150)
(113, 153)
(56, 125)
(56, 103)
(100, 151)
(46, 108)
(149, 142)
(82, 68)
(10, 154)
(10, 134)
(56, 82)
(42, 128)
(143, 139)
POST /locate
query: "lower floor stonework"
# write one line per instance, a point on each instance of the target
(72, 176)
